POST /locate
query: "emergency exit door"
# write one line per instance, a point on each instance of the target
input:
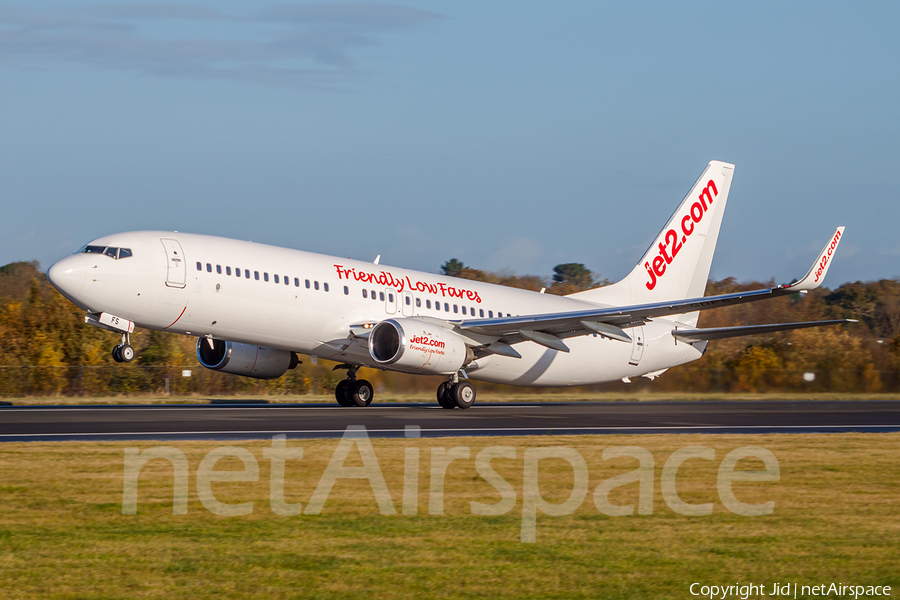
(637, 345)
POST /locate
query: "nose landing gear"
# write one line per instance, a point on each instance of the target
(456, 393)
(124, 352)
(353, 391)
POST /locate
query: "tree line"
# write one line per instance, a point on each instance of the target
(42, 330)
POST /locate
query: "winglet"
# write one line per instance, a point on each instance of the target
(816, 273)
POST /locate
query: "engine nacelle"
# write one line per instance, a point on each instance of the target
(415, 346)
(244, 359)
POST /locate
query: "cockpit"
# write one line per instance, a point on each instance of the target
(110, 251)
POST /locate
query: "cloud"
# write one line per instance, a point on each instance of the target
(521, 254)
(306, 46)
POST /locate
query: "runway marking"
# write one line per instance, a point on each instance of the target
(206, 407)
(455, 429)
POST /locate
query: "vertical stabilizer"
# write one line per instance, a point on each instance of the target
(677, 264)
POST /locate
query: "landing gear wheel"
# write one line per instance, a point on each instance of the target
(444, 398)
(464, 394)
(360, 393)
(340, 393)
(126, 352)
(115, 354)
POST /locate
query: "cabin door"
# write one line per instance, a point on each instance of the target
(176, 271)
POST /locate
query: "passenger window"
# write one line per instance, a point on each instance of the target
(208, 268)
(296, 282)
(437, 306)
(346, 291)
(246, 273)
(219, 269)
(418, 303)
(480, 312)
(316, 284)
(287, 280)
(455, 308)
(490, 314)
(381, 296)
(428, 304)
(94, 249)
(464, 309)
(373, 295)
(124, 252)
(256, 275)
(307, 284)
(446, 307)
(407, 300)
(237, 272)
(390, 297)
(365, 293)
(228, 270)
(265, 276)
(199, 267)
(325, 286)
(111, 252)
(276, 278)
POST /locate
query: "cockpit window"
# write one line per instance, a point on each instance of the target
(108, 251)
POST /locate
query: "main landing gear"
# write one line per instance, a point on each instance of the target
(353, 391)
(456, 393)
(123, 353)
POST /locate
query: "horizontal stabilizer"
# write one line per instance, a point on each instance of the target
(718, 333)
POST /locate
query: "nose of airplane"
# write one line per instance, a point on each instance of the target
(68, 275)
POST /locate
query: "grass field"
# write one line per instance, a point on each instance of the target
(544, 396)
(63, 535)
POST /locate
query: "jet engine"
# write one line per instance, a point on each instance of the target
(415, 346)
(244, 359)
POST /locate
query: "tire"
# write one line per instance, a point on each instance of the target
(464, 394)
(340, 394)
(127, 353)
(444, 398)
(361, 393)
(116, 355)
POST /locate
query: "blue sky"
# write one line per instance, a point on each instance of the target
(510, 135)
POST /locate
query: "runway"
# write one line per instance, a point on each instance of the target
(172, 422)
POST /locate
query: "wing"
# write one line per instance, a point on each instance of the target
(551, 328)
(720, 333)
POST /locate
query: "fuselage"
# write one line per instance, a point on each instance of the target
(304, 302)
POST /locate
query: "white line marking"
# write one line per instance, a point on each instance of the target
(206, 407)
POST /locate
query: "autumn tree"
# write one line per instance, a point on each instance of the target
(452, 267)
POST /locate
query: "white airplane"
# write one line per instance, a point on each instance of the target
(254, 308)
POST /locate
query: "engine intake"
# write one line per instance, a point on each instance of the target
(415, 346)
(244, 359)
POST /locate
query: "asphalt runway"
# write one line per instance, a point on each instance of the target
(167, 422)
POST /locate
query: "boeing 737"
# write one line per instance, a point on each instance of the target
(254, 308)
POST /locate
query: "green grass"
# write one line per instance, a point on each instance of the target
(62, 534)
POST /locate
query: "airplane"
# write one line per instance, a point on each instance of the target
(254, 308)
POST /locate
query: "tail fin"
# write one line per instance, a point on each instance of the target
(676, 265)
